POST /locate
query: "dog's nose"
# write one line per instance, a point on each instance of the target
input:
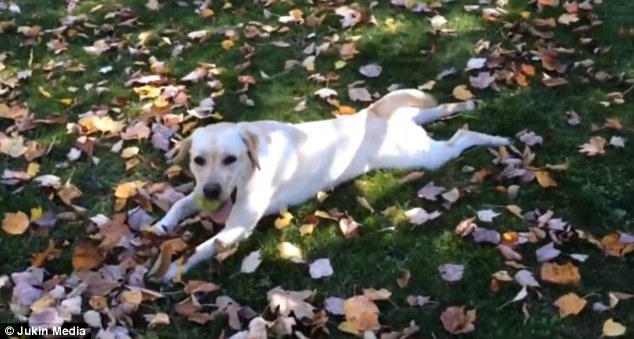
(212, 190)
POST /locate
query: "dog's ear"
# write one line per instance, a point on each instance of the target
(252, 140)
(183, 149)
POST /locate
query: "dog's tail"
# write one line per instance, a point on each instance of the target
(389, 103)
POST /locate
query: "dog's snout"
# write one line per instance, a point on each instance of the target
(212, 190)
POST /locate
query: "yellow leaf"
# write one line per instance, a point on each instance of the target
(33, 169)
(283, 220)
(227, 44)
(36, 213)
(67, 101)
(321, 196)
(461, 92)
(306, 229)
(570, 304)
(544, 179)
(345, 110)
(516, 210)
(146, 91)
(129, 152)
(144, 37)
(207, 13)
(15, 223)
(340, 64)
(613, 329)
(43, 303)
(160, 102)
(44, 92)
(288, 250)
(567, 274)
(525, 14)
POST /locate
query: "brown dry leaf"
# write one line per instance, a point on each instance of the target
(461, 92)
(567, 274)
(168, 249)
(553, 82)
(570, 304)
(613, 123)
(455, 320)
(15, 223)
(612, 246)
(403, 279)
(362, 315)
(349, 227)
(86, 256)
(68, 192)
(544, 179)
(594, 147)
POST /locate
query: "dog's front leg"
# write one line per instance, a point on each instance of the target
(179, 211)
(243, 219)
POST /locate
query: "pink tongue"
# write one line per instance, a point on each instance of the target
(221, 215)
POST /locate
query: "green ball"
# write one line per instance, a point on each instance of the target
(207, 205)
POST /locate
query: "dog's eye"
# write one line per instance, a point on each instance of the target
(228, 160)
(200, 161)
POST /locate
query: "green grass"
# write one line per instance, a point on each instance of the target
(595, 194)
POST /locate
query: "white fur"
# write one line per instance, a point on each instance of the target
(296, 161)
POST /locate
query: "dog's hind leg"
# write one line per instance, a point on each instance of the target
(424, 116)
(414, 149)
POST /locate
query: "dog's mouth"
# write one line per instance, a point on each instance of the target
(221, 215)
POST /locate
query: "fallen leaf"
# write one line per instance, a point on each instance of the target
(370, 70)
(451, 272)
(612, 245)
(86, 256)
(430, 191)
(403, 279)
(419, 216)
(320, 268)
(567, 274)
(286, 302)
(251, 262)
(461, 92)
(570, 304)
(284, 220)
(287, 250)
(15, 223)
(547, 252)
(455, 320)
(487, 215)
(594, 147)
(613, 329)
(361, 315)
(544, 179)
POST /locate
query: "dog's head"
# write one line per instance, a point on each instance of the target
(222, 158)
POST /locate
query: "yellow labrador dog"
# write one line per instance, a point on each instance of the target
(253, 169)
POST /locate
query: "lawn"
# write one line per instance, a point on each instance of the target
(58, 62)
